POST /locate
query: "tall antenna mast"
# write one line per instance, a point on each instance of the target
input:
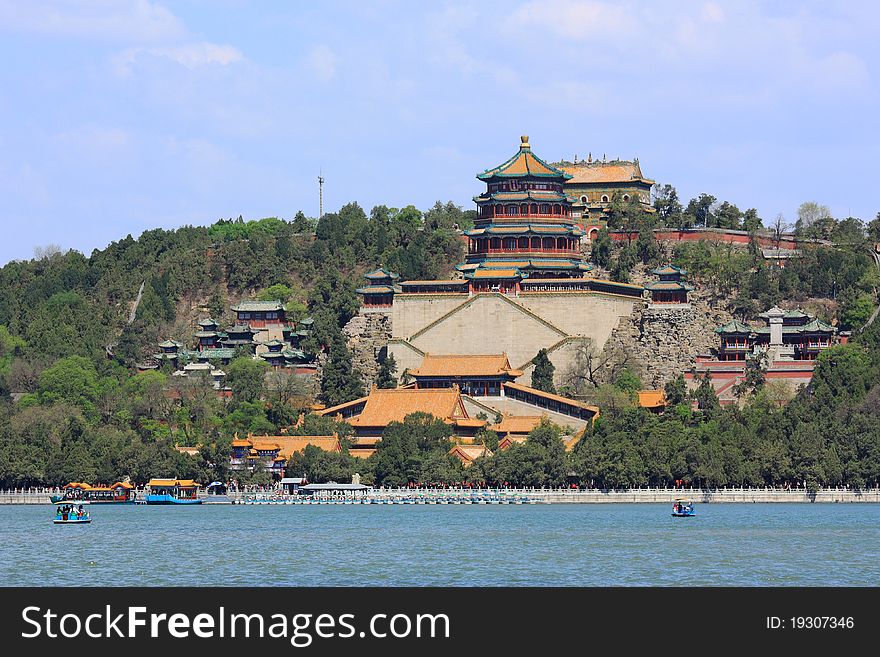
(320, 195)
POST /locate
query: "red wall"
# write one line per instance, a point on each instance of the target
(711, 236)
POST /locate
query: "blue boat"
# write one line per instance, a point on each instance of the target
(173, 491)
(67, 513)
(682, 508)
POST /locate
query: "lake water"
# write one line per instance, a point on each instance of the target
(543, 545)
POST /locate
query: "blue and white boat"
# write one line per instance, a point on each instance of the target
(68, 513)
(682, 508)
(173, 491)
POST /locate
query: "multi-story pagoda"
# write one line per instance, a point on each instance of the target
(380, 288)
(208, 334)
(524, 226)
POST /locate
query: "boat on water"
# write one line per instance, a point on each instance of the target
(121, 492)
(682, 508)
(173, 491)
(68, 513)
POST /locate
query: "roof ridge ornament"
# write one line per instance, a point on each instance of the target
(525, 143)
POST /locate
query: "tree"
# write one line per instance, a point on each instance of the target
(855, 309)
(676, 391)
(543, 372)
(401, 454)
(73, 380)
(699, 210)
(706, 397)
(648, 248)
(302, 224)
(278, 292)
(627, 381)
(589, 369)
(601, 249)
(751, 221)
(668, 206)
(728, 216)
(247, 378)
(814, 220)
(387, 370)
(340, 382)
(873, 229)
(755, 375)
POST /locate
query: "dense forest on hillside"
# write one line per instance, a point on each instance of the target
(80, 412)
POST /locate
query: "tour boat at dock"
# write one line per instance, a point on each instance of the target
(173, 491)
(121, 492)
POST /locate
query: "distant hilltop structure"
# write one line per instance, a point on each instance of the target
(593, 185)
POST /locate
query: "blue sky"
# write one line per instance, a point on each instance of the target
(117, 116)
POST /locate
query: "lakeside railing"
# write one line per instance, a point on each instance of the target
(41, 495)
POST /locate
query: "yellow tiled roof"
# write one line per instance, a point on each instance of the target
(469, 422)
(363, 453)
(266, 446)
(182, 483)
(522, 164)
(602, 172)
(496, 273)
(393, 405)
(463, 365)
(468, 453)
(289, 445)
(517, 424)
(505, 264)
(511, 439)
(652, 398)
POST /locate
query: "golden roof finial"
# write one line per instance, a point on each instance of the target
(525, 142)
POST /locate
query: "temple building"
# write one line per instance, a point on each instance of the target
(473, 374)
(272, 453)
(523, 286)
(789, 335)
(515, 429)
(262, 330)
(524, 226)
(791, 341)
(670, 289)
(240, 335)
(593, 184)
(370, 415)
(467, 454)
(260, 314)
(380, 289)
(208, 335)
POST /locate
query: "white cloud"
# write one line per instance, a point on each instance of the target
(322, 62)
(95, 138)
(189, 55)
(712, 13)
(139, 21)
(580, 20)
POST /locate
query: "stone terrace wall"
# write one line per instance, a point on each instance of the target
(367, 333)
(664, 340)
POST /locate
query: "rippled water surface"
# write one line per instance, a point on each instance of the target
(544, 545)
